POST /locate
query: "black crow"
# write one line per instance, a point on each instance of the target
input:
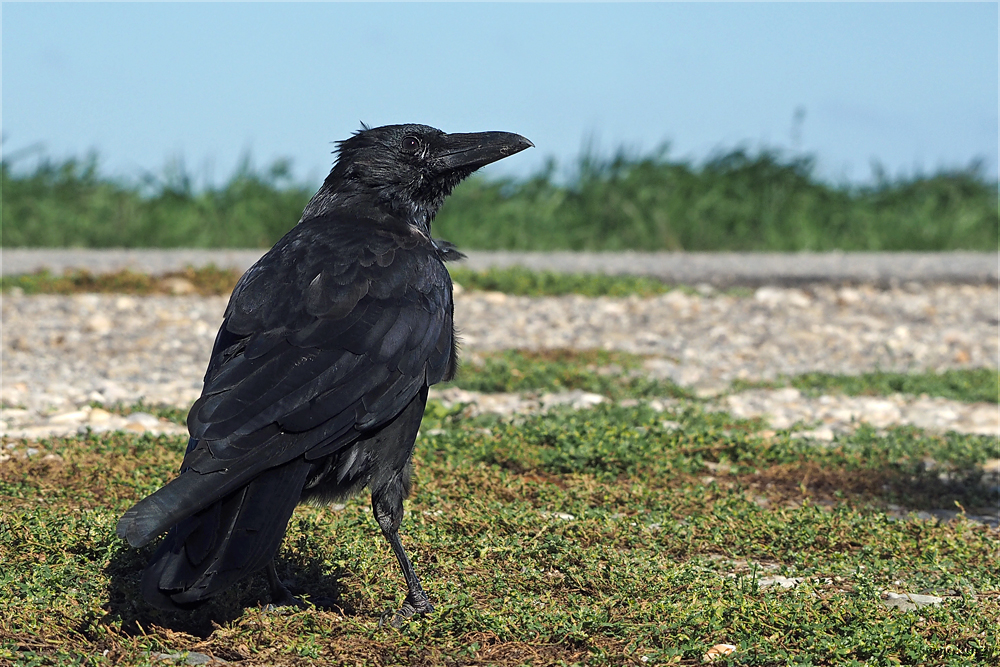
(319, 374)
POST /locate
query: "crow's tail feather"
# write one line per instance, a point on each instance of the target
(212, 549)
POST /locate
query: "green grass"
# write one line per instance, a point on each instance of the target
(619, 375)
(520, 281)
(70, 204)
(970, 385)
(206, 281)
(739, 200)
(616, 375)
(670, 528)
(210, 280)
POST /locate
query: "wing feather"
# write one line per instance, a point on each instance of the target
(331, 334)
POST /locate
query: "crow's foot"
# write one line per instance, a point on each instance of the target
(283, 602)
(281, 598)
(409, 609)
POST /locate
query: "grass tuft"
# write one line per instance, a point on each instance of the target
(205, 281)
(519, 281)
(613, 374)
(964, 384)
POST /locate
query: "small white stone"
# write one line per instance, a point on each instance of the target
(98, 415)
(68, 417)
(909, 601)
(493, 298)
(822, 434)
(177, 285)
(99, 324)
(143, 418)
(777, 580)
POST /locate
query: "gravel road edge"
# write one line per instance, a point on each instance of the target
(718, 269)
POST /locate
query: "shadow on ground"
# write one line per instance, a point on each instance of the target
(307, 580)
(938, 492)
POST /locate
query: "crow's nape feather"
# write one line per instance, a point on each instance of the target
(319, 374)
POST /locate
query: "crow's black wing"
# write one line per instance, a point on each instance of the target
(329, 335)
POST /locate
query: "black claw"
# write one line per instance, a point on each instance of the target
(409, 609)
(284, 602)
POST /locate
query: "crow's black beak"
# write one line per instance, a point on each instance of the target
(477, 149)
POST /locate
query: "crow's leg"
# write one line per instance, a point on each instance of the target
(387, 504)
(280, 595)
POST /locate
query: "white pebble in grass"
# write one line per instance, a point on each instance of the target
(69, 417)
(143, 419)
(909, 601)
(821, 434)
(98, 416)
(576, 399)
(777, 580)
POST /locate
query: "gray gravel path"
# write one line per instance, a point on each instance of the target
(61, 352)
(719, 269)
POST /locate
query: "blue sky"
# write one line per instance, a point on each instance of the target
(914, 86)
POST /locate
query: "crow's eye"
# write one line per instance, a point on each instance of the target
(410, 144)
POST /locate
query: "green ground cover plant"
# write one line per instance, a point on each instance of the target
(206, 281)
(599, 537)
(616, 375)
(738, 200)
(213, 281)
(520, 281)
(961, 384)
(972, 384)
(619, 375)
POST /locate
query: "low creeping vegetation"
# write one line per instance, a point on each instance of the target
(615, 375)
(212, 281)
(207, 281)
(966, 384)
(519, 281)
(619, 375)
(612, 536)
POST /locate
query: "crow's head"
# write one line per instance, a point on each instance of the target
(410, 169)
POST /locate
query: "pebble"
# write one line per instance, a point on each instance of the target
(778, 580)
(909, 601)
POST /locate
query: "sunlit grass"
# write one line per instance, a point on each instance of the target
(592, 537)
(738, 200)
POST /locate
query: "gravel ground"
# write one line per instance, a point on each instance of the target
(60, 353)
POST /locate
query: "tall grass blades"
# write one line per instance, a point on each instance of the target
(739, 201)
(68, 204)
